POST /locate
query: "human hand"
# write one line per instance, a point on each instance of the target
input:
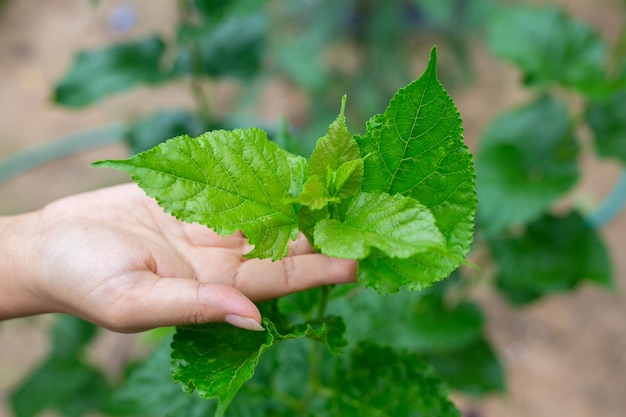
(113, 257)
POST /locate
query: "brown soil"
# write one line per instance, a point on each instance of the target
(565, 356)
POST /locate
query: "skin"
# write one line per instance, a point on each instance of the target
(113, 257)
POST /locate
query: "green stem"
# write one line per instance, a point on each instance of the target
(196, 86)
(315, 356)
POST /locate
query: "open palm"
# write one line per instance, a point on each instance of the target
(113, 257)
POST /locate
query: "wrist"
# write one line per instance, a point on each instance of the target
(19, 293)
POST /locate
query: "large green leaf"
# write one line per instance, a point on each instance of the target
(554, 254)
(527, 159)
(380, 382)
(416, 149)
(549, 46)
(216, 359)
(607, 119)
(395, 225)
(226, 180)
(97, 74)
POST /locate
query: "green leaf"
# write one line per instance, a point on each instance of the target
(473, 370)
(156, 128)
(553, 255)
(216, 359)
(84, 387)
(549, 46)
(314, 194)
(380, 382)
(232, 47)
(226, 180)
(420, 322)
(416, 149)
(97, 74)
(148, 388)
(336, 159)
(607, 119)
(527, 160)
(398, 226)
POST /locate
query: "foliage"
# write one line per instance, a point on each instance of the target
(394, 197)
(529, 156)
(239, 180)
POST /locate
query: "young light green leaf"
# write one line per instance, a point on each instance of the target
(226, 180)
(416, 149)
(336, 159)
(314, 194)
(217, 359)
(397, 226)
(346, 181)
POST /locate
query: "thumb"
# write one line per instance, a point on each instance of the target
(161, 302)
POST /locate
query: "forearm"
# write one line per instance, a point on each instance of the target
(19, 295)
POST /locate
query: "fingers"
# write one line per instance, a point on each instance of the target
(264, 279)
(155, 302)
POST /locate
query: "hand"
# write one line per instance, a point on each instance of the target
(113, 257)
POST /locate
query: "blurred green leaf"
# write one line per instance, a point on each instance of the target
(527, 159)
(65, 381)
(68, 386)
(214, 10)
(607, 119)
(554, 254)
(300, 303)
(473, 370)
(233, 47)
(378, 381)
(97, 74)
(550, 46)
(148, 388)
(151, 130)
(420, 322)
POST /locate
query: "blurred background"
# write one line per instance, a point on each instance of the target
(87, 80)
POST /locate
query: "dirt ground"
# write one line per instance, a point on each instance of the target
(565, 356)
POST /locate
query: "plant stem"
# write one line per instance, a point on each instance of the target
(203, 108)
(315, 356)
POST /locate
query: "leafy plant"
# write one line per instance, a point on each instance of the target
(529, 156)
(400, 199)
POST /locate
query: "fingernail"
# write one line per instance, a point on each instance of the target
(243, 322)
